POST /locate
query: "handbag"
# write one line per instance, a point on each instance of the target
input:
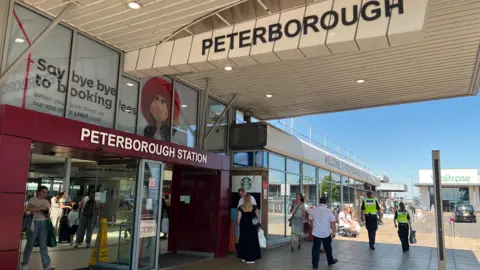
(290, 219)
(165, 223)
(413, 239)
(261, 239)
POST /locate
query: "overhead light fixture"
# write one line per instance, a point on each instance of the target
(360, 81)
(184, 106)
(268, 95)
(228, 68)
(134, 5)
(19, 40)
(130, 84)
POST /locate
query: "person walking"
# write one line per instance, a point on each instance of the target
(38, 232)
(296, 221)
(248, 249)
(323, 223)
(402, 217)
(370, 210)
(57, 204)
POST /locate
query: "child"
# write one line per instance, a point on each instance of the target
(73, 221)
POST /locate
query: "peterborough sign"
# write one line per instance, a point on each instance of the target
(329, 20)
(316, 30)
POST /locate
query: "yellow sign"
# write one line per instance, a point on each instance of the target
(101, 244)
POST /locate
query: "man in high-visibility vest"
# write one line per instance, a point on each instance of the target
(370, 209)
(403, 219)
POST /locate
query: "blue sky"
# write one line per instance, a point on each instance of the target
(398, 140)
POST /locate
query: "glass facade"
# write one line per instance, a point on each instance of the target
(74, 76)
(286, 177)
(451, 197)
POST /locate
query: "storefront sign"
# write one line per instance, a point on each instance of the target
(328, 20)
(154, 148)
(450, 176)
(343, 166)
(311, 31)
(251, 183)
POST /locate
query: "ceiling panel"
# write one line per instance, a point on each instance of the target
(441, 66)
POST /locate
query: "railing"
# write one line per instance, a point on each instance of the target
(305, 132)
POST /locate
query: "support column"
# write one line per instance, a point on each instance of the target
(66, 181)
(4, 15)
(14, 163)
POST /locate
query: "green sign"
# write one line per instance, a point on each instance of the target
(246, 183)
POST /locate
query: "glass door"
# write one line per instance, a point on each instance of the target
(148, 215)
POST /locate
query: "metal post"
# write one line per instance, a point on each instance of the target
(310, 133)
(66, 181)
(291, 125)
(203, 118)
(35, 43)
(437, 188)
(220, 117)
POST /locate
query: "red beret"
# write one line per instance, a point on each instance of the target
(158, 87)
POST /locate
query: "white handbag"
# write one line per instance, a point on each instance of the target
(165, 223)
(261, 239)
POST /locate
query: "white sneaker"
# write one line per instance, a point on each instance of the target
(50, 267)
(251, 262)
(243, 261)
(24, 267)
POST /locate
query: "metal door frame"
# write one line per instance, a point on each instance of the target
(138, 214)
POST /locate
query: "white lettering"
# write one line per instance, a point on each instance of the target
(85, 134)
(151, 148)
(180, 154)
(128, 143)
(165, 151)
(94, 138)
(171, 152)
(144, 147)
(120, 140)
(104, 137)
(111, 140)
(137, 145)
(158, 149)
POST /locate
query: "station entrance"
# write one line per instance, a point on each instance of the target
(145, 213)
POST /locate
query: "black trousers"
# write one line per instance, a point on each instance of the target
(371, 223)
(327, 245)
(403, 231)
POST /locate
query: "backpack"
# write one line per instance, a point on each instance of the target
(89, 208)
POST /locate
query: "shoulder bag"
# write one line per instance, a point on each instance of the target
(290, 219)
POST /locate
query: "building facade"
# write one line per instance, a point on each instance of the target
(459, 186)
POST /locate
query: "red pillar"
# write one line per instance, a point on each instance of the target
(14, 163)
(223, 214)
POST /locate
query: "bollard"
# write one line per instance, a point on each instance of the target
(452, 226)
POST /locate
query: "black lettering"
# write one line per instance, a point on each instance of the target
(134, 111)
(312, 24)
(389, 6)
(275, 32)
(41, 64)
(90, 83)
(244, 36)
(219, 44)
(82, 94)
(61, 88)
(38, 80)
(231, 38)
(333, 22)
(298, 28)
(206, 44)
(355, 16)
(259, 33)
(376, 12)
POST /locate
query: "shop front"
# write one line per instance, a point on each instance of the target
(127, 181)
(459, 186)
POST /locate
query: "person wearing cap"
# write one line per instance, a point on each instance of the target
(243, 193)
(156, 99)
(370, 210)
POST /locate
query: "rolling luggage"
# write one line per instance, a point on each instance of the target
(64, 230)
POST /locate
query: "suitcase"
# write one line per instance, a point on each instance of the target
(64, 230)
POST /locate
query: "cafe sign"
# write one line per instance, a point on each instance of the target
(316, 30)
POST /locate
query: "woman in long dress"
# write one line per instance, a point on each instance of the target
(248, 245)
(297, 220)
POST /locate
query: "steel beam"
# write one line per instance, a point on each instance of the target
(219, 118)
(35, 43)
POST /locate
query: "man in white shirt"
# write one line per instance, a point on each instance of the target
(323, 223)
(242, 193)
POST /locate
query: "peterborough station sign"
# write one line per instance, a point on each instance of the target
(316, 30)
(329, 20)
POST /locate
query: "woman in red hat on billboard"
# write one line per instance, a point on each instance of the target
(156, 107)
